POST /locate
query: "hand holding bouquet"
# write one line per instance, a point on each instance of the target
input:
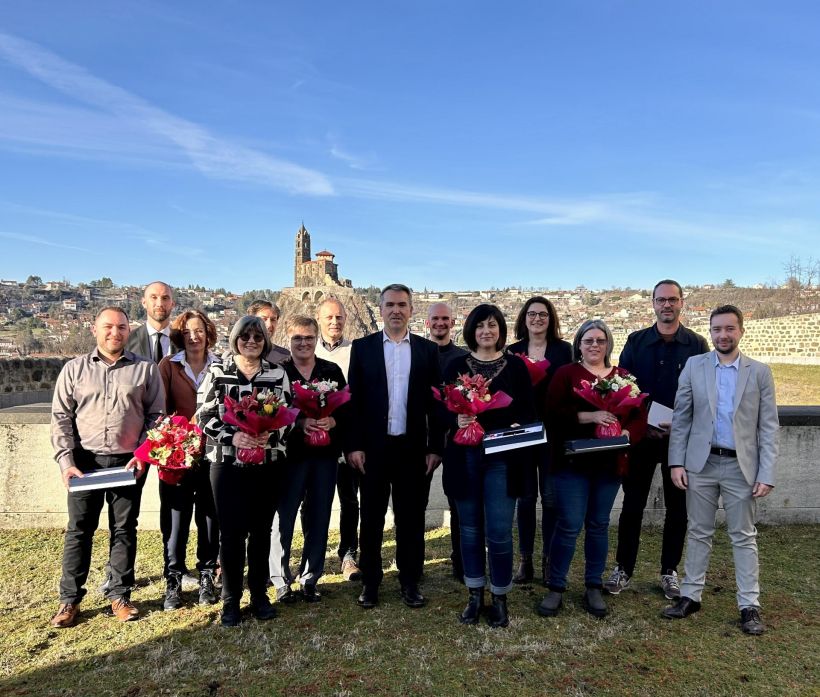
(470, 395)
(318, 399)
(174, 445)
(255, 414)
(536, 369)
(618, 395)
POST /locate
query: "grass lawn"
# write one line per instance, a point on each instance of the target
(335, 648)
(796, 384)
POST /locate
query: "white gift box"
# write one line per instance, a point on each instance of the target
(514, 437)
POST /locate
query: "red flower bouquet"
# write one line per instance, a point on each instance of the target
(254, 414)
(618, 395)
(470, 395)
(174, 445)
(537, 369)
(319, 399)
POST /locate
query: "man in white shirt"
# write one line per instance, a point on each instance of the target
(153, 339)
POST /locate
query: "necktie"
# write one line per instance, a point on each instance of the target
(158, 348)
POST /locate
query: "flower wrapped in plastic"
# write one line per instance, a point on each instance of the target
(174, 445)
(618, 395)
(470, 395)
(536, 369)
(255, 414)
(318, 399)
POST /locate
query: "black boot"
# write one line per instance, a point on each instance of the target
(207, 592)
(594, 602)
(497, 612)
(475, 604)
(261, 607)
(173, 590)
(231, 617)
(525, 572)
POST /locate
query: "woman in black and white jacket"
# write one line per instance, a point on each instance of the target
(244, 494)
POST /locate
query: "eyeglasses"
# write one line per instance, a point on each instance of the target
(303, 339)
(252, 336)
(540, 315)
(664, 301)
(597, 342)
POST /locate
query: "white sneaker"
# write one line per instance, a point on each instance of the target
(670, 585)
(617, 581)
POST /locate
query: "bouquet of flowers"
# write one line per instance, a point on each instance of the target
(470, 395)
(618, 395)
(174, 445)
(254, 414)
(537, 369)
(318, 399)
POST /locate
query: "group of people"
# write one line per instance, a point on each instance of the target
(391, 436)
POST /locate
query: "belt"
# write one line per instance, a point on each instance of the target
(724, 452)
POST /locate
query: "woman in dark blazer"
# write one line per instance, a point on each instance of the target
(538, 331)
(182, 374)
(484, 487)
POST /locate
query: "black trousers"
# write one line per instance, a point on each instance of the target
(84, 509)
(245, 499)
(400, 472)
(636, 484)
(347, 485)
(191, 498)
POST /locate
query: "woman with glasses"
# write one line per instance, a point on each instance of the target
(309, 474)
(245, 494)
(585, 484)
(539, 333)
(484, 487)
(182, 374)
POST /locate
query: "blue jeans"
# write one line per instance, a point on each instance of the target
(527, 508)
(584, 498)
(485, 515)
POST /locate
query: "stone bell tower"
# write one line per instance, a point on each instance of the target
(302, 252)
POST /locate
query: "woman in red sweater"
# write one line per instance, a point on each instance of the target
(585, 484)
(182, 375)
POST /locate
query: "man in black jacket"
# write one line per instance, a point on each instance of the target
(655, 356)
(395, 441)
(153, 339)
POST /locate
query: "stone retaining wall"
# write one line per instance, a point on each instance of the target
(27, 380)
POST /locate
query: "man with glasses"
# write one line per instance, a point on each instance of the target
(655, 356)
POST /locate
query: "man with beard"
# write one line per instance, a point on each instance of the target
(153, 339)
(104, 402)
(723, 444)
(655, 356)
(440, 322)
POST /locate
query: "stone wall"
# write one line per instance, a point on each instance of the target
(794, 339)
(28, 380)
(32, 495)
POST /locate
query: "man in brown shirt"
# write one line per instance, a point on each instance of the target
(104, 402)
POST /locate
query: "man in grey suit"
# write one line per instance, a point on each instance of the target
(723, 443)
(153, 339)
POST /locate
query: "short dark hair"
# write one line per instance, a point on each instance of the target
(667, 282)
(178, 326)
(479, 314)
(396, 288)
(583, 329)
(113, 308)
(242, 325)
(553, 328)
(258, 305)
(727, 310)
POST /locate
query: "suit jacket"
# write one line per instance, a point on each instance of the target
(369, 404)
(138, 342)
(755, 424)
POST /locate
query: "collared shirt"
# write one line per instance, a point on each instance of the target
(725, 387)
(397, 368)
(103, 408)
(165, 339)
(196, 379)
(338, 353)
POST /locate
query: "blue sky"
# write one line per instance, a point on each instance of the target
(447, 145)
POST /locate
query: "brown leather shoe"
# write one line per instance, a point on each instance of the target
(66, 616)
(123, 610)
(350, 570)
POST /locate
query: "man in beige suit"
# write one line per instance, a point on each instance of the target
(723, 443)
